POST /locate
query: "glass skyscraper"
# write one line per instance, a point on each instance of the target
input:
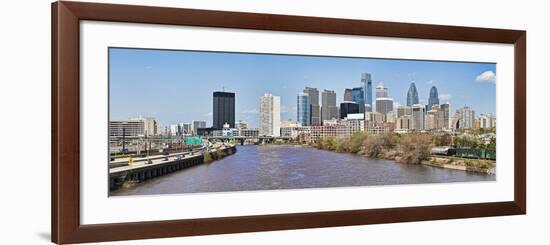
(366, 83)
(412, 95)
(358, 96)
(434, 98)
(304, 109)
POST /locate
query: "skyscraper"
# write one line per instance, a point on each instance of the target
(381, 91)
(358, 96)
(270, 115)
(466, 117)
(412, 95)
(446, 111)
(431, 120)
(224, 110)
(384, 104)
(347, 94)
(329, 110)
(487, 121)
(404, 122)
(314, 104)
(197, 124)
(366, 83)
(438, 117)
(150, 126)
(434, 98)
(186, 128)
(304, 109)
(404, 110)
(418, 117)
(174, 129)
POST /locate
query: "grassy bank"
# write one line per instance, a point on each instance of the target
(403, 148)
(472, 165)
(407, 148)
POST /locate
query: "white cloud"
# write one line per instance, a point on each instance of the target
(445, 97)
(209, 114)
(487, 77)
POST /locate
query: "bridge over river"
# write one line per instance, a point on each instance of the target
(248, 139)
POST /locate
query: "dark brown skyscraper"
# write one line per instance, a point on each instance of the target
(224, 110)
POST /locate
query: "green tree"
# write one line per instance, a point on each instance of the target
(492, 144)
(457, 141)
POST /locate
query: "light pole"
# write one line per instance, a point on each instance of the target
(124, 137)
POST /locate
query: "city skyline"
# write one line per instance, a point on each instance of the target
(177, 86)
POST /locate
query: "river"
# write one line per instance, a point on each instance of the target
(271, 167)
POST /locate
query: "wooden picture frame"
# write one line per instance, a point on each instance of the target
(65, 175)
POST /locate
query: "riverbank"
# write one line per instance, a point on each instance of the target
(408, 149)
(218, 153)
(470, 165)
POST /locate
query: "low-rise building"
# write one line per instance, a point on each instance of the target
(248, 132)
(126, 128)
(379, 127)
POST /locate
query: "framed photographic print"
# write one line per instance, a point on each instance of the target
(178, 122)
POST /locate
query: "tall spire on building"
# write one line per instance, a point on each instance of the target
(412, 95)
(434, 98)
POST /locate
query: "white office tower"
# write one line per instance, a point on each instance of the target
(270, 115)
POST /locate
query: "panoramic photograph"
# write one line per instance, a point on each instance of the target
(205, 121)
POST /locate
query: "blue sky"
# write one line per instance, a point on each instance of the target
(177, 86)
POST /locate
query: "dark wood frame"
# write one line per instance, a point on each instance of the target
(65, 181)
